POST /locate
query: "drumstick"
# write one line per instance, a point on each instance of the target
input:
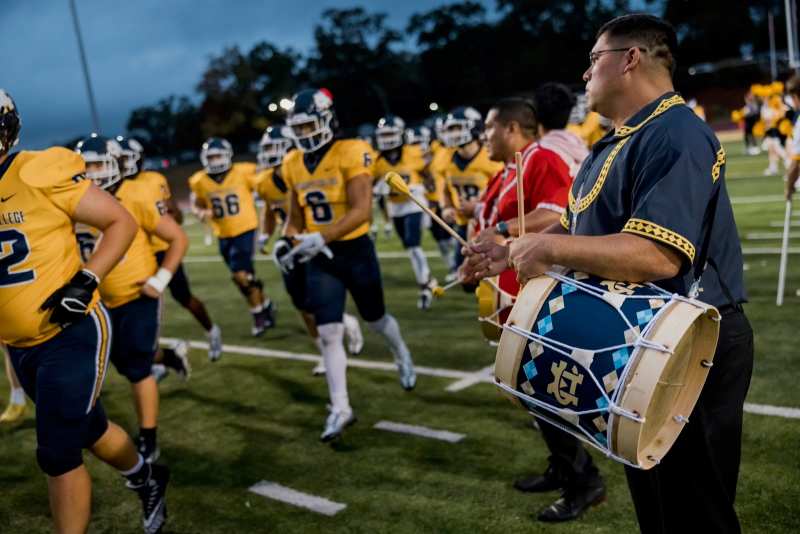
(520, 195)
(784, 253)
(399, 185)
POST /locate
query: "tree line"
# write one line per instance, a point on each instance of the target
(457, 54)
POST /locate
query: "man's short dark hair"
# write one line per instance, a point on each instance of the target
(653, 33)
(519, 110)
(554, 103)
(793, 85)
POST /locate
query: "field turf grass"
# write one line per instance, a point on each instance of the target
(245, 419)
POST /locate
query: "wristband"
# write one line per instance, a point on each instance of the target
(160, 280)
(502, 229)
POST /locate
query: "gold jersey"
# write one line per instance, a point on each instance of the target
(158, 194)
(272, 190)
(39, 192)
(322, 194)
(233, 210)
(440, 158)
(410, 166)
(466, 180)
(122, 284)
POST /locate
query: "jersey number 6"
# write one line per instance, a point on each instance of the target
(14, 249)
(224, 207)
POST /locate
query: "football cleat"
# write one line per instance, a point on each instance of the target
(178, 360)
(352, 333)
(216, 155)
(426, 294)
(152, 494)
(319, 369)
(214, 343)
(335, 424)
(408, 377)
(102, 156)
(12, 413)
(389, 133)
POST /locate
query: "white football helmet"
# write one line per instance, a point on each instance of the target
(216, 155)
(461, 126)
(274, 145)
(102, 156)
(389, 133)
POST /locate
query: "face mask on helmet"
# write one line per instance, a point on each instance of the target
(132, 152)
(102, 160)
(272, 150)
(10, 123)
(311, 132)
(457, 132)
(419, 136)
(389, 134)
(216, 156)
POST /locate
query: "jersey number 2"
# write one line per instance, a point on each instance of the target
(14, 249)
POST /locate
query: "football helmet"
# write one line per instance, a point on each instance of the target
(216, 155)
(132, 152)
(419, 135)
(312, 119)
(461, 126)
(274, 145)
(106, 154)
(9, 123)
(389, 133)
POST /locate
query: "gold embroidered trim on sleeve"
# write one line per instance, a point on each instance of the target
(718, 165)
(659, 233)
(565, 220)
(601, 178)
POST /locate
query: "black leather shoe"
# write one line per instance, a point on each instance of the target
(573, 502)
(549, 481)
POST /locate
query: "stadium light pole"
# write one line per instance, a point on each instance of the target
(791, 34)
(773, 60)
(84, 64)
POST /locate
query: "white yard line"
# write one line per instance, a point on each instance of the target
(758, 199)
(274, 491)
(767, 236)
(751, 251)
(261, 257)
(478, 376)
(779, 224)
(760, 409)
(422, 431)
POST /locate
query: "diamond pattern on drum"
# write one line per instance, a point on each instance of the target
(530, 369)
(545, 325)
(620, 357)
(643, 317)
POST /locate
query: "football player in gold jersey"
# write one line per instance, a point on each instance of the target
(57, 332)
(409, 162)
(132, 156)
(330, 185)
(273, 147)
(438, 160)
(469, 169)
(223, 193)
(132, 290)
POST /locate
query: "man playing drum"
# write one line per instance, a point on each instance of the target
(647, 205)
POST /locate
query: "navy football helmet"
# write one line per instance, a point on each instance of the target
(389, 133)
(10, 123)
(312, 119)
(132, 152)
(102, 156)
(461, 126)
(216, 155)
(419, 135)
(274, 145)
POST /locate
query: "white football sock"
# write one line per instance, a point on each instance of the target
(420, 265)
(17, 396)
(318, 344)
(332, 336)
(447, 252)
(387, 327)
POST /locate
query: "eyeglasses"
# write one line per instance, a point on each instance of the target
(594, 56)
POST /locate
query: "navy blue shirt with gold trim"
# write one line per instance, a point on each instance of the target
(656, 177)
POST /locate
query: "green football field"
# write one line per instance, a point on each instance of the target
(252, 418)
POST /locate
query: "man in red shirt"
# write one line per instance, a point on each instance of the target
(551, 157)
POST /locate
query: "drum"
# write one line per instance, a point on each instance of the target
(495, 296)
(618, 365)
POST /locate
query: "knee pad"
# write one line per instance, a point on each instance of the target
(55, 462)
(248, 284)
(97, 426)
